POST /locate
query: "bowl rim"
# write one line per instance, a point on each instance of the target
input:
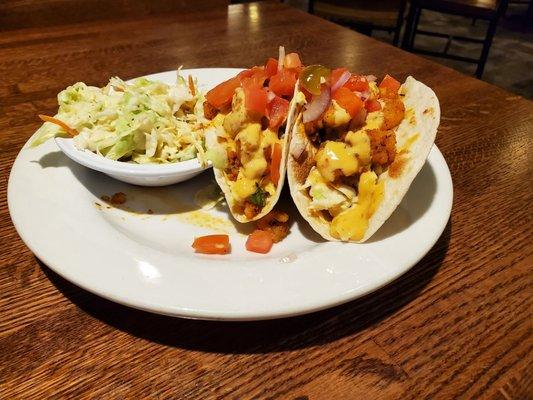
(105, 165)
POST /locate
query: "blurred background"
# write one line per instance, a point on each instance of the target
(489, 39)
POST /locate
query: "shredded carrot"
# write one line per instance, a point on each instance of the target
(191, 86)
(71, 131)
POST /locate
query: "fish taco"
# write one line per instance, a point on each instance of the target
(251, 115)
(356, 147)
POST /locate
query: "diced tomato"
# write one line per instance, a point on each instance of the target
(271, 67)
(277, 112)
(255, 98)
(336, 74)
(247, 73)
(348, 100)
(212, 244)
(259, 76)
(259, 242)
(275, 164)
(357, 83)
(283, 83)
(372, 105)
(221, 95)
(389, 83)
(292, 60)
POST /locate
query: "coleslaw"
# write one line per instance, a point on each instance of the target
(142, 122)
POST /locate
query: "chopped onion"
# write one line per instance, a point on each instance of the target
(363, 95)
(341, 81)
(281, 59)
(298, 148)
(317, 106)
(371, 78)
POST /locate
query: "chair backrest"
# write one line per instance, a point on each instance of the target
(18, 14)
(382, 13)
(486, 9)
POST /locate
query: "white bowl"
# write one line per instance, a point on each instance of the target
(137, 174)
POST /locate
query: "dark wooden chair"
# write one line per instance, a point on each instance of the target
(489, 10)
(363, 15)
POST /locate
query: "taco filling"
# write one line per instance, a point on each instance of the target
(246, 141)
(344, 141)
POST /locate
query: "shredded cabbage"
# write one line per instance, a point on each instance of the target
(142, 122)
(216, 152)
(325, 196)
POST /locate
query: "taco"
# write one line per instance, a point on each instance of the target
(247, 141)
(356, 147)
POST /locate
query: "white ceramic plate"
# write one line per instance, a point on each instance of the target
(141, 255)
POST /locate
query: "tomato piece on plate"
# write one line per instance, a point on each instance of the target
(348, 100)
(283, 83)
(221, 95)
(255, 98)
(277, 112)
(271, 67)
(292, 60)
(259, 241)
(357, 83)
(275, 164)
(389, 83)
(336, 74)
(372, 105)
(212, 244)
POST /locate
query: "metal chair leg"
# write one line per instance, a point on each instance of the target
(399, 23)
(409, 27)
(486, 47)
(415, 27)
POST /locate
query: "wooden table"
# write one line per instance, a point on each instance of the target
(458, 325)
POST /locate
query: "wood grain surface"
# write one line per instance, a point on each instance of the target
(456, 326)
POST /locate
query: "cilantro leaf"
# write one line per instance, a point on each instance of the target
(259, 197)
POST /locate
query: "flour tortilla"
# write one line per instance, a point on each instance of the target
(422, 120)
(272, 200)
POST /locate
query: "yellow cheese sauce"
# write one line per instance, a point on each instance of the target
(353, 223)
(336, 116)
(253, 142)
(242, 188)
(374, 120)
(164, 204)
(410, 116)
(409, 142)
(333, 156)
(203, 219)
(360, 143)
